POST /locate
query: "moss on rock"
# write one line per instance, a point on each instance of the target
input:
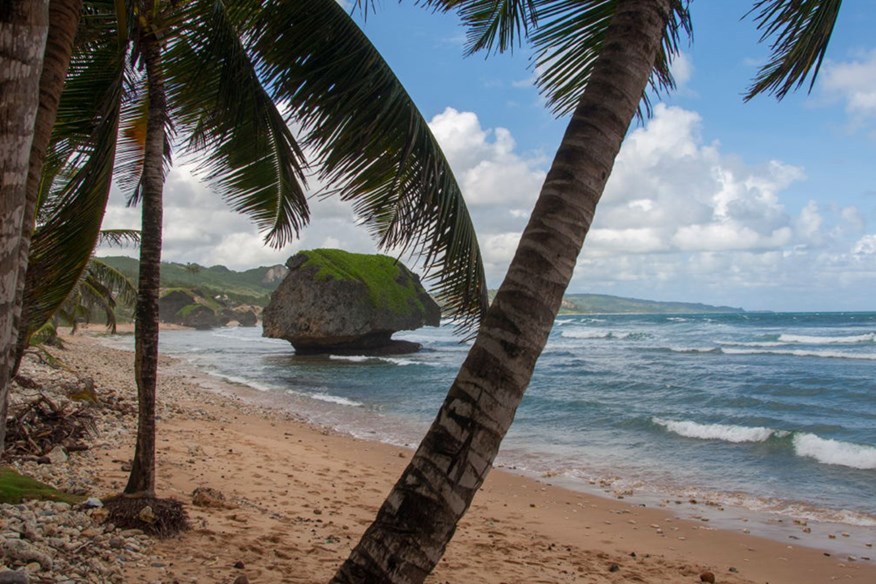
(391, 286)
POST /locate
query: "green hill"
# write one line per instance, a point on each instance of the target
(254, 286)
(249, 287)
(605, 304)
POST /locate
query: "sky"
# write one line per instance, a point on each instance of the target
(762, 205)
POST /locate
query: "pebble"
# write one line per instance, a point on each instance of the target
(45, 541)
(707, 577)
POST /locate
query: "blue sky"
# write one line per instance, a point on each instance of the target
(764, 205)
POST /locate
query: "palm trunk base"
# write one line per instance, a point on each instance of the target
(159, 517)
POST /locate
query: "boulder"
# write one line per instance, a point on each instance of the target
(333, 301)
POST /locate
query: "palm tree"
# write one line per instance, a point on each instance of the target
(212, 71)
(23, 30)
(63, 24)
(597, 58)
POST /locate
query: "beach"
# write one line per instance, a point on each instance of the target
(297, 498)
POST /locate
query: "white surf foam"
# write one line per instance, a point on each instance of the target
(334, 399)
(727, 433)
(814, 340)
(804, 353)
(828, 451)
(351, 358)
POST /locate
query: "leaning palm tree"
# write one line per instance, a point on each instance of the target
(596, 58)
(204, 77)
(23, 30)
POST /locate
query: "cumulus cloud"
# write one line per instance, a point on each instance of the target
(853, 82)
(489, 170)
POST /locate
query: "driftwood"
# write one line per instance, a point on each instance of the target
(34, 428)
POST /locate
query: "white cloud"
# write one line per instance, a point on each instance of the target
(485, 163)
(866, 246)
(682, 70)
(853, 82)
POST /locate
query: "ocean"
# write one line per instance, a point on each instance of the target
(772, 413)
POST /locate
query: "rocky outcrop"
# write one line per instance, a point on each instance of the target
(245, 316)
(189, 308)
(339, 302)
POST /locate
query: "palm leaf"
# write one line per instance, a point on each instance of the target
(85, 135)
(374, 147)
(119, 237)
(241, 140)
(570, 36)
(498, 25)
(120, 287)
(800, 31)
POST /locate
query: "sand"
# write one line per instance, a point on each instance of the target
(300, 496)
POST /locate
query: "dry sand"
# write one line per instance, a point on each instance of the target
(301, 496)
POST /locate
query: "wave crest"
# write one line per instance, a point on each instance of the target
(727, 433)
(812, 340)
(828, 451)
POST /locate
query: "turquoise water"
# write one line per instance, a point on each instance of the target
(771, 412)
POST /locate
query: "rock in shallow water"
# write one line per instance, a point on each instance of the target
(333, 301)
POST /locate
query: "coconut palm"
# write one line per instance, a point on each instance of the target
(596, 58)
(23, 30)
(206, 76)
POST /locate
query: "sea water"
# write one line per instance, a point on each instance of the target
(769, 412)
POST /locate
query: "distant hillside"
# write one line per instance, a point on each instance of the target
(255, 286)
(250, 287)
(605, 304)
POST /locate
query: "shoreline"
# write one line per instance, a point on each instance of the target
(785, 520)
(301, 496)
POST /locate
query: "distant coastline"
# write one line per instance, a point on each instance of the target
(254, 287)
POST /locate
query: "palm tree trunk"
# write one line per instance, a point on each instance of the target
(142, 479)
(63, 23)
(23, 29)
(418, 518)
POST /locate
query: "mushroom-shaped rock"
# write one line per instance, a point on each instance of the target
(333, 301)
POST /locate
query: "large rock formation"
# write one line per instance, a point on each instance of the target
(334, 301)
(192, 308)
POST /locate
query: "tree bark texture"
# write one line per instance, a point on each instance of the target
(142, 478)
(418, 518)
(63, 24)
(23, 29)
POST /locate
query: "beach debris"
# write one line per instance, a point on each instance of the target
(707, 577)
(92, 503)
(40, 426)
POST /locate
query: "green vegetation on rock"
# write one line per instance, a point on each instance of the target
(379, 273)
(15, 488)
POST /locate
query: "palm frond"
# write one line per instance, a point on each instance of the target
(799, 32)
(374, 147)
(570, 36)
(63, 242)
(492, 25)
(120, 287)
(242, 142)
(119, 237)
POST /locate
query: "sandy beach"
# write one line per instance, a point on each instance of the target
(298, 497)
